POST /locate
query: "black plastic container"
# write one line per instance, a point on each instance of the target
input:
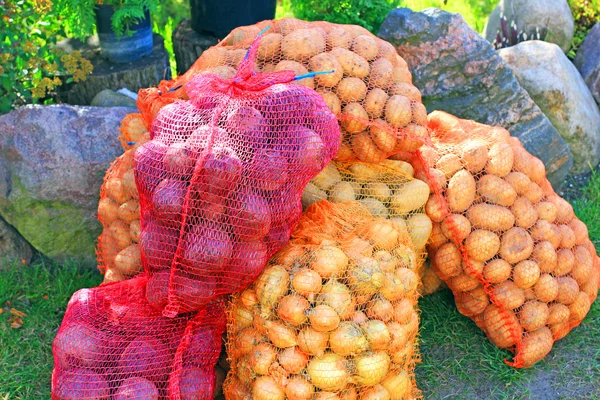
(219, 17)
(126, 48)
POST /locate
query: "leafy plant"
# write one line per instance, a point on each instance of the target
(366, 13)
(164, 21)
(585, 14)
(31, 67)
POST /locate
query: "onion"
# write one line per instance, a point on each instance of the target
(365, 276)
(349, 394)
(358, 248)
(404, 356)
(382, 234)
(292, 309)
(327, 396)
(307, 282)
(265, 388)
(312, 342)
(248, 298)
(348, 339)
(329, 261)
(386, 261)
(405, 256)
(400, 336)
(323, 318)
(395, 286)
(259, 323)
(244, 371)
(242, 317)
(293, 360)
(377, 333)
(328, 372)
(180, 160)
(358, 317)
(376, 392)
(280, 334)
(337, 296)
(290, 256)
(397, 383)
(271, 286)
(380, 308)
(409, 280)
(403, 311)
(371, 367)
(236, 389)
(245, 341)
(261, 357)
(299, 388)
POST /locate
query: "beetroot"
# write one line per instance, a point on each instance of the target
(158, 244)
(250, 214)
(136, 388)
(197, 384)
(146, 357)
(206, 249)
(80, 345)
(193, 291)
(80, 384)
(180, 160)
(168, 200)
(269, 169)
(157, 289)
(246, 264)
(148, 166)
(222, 169)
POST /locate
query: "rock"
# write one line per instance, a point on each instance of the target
(459, 72)
(587, 61)
(110, 98)
(559, 90)
(552, 15)
(12, 245)
(52, 163)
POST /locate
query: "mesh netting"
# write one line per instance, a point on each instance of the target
(519, 262)
(333, 315)
(113, 344)
(221, 178)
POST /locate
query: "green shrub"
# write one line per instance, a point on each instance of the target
(585, 13)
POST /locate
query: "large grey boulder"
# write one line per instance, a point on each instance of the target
(559, 90)
(13, 247)
(587, 61)
(552, 15)
(459, 72)
(52, 163)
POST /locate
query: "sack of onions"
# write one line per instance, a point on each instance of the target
(333, 315)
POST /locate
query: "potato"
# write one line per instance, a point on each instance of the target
(413, 136)
(516, 245)
(108, 211)
(471, 303)
(461, 191)
(544, 230)
(546, 288)
(351, 89)
(388, 51)
(564, 211)
(431, 283)
(270, 46)
(525, 215)
(449, 164)
(224, 71)
(584, 263)
(456, 227)
(383, 136)
(482, 245)
(312, 194)
(381, 74)
(558, 313)
(497, 271)
(365, 149)
(591, 286)
(545, 255)
(500, 160)
(129, 211)
(436, 208)
(352, 64)
(519, 181)
(401, 74)
(419, 229)
(377, 190)
(236, 56)
(406, 90)
(463, 283)
(332, 101)
(496, 190)
(567, 236)
(268, 67)
(410, 197)
(534, 193)
(447, 261)
(500, 327)
(112, 275)
(398, 111)
(326, 62)
(299, 69)
(354, 118)
(565, 261)
(129, 183)
(580, 230)
(430, 155)
(526, 273)
(119, 230)
(568, 289)
(115, 189)
(341, 192)
(339, 37)
(535, 346)
(134, 230)
(509, 295)
(579, 308)
(128, 262)
(302, 44)
(375, 102)
(437, 238)
(546, 211)
(419, 114)
(490, 217)
(328, 177)
(533, 315)
(375, 207)
(474, 155)
(363, 173)
(366, 47)
(435, 176)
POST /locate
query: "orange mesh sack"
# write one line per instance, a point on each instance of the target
(132, 130)
(112, 344)
(221, 179)
(329, 317)
(519, 262)
(370, 90)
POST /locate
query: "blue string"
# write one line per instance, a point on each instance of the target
(311, 74)
(130, 143)
(259, 34)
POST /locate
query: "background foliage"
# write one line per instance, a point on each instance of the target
(585, 13)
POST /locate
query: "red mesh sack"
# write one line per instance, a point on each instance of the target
(329, 317)
(220, 181)
(520, 264)
(370, 91)
(113, 344)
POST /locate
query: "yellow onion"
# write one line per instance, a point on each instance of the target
(280, 334)
(265, 388)
(292, 359)
(244, 371)
(371, 367)
(365, 276)
(328, 372)
(259, 324)
(299, 388)
(358, 317)
(358, 248)
(376, 392)
(403, 311)
(323, 318)
(237, 390)
(292, 309)
(409, 280)
(337, 296)
(326, 396)
(307, 282)
(377, 334)
(312, 342)
(397, 383)
(245, 340)
(403, 357)
(271, 286)
(242, 317)
(349, 394)
(261, 358)
(400, 336)
(380, 308)
(329, 261)
(386, 261)
(248, 298)
(290, 256)
(405, 256)
(382, 234)
(348, 339)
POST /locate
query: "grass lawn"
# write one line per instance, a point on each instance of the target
(458, 361)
